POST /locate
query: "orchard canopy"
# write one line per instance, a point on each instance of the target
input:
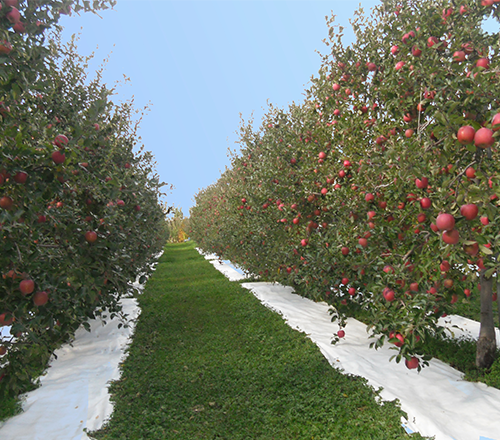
(379, 192)
(80, 211)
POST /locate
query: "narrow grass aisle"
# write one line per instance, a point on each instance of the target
(208, 361)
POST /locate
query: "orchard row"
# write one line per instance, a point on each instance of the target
(380, 192)
(80, 212)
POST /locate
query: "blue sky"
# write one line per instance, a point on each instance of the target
(202, 63)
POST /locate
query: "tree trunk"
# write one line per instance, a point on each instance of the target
(486, 344)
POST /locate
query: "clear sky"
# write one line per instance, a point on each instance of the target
(203, 63)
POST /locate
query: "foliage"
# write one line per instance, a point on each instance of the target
(79, 210)
(178, 227)
(340, 196)
(209, 361)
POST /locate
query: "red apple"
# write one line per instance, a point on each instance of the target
(5, 47)
(458, 56)
(58, 157)
(467, 292)
(484, 138)
(21, 177)
(91, 236)
(394, 49)
(3, 350)
(399, 65)
(444, 266)
(412, 363)
(363, 242)
(6, 321)
(484, 220)
(40, 298)
(425, 203)
(415, 51)
(451, 237)
(304, 242)
(388, 294)
(344, 250)
(414, 287)
(422, 183)
(495, 123)
(13, 16)
(483, 62)
(26, 286)
(431, 41)
(470, 173)
(471, 249)
(469, 211)
(448, 283)
(352, 291)
(6, 202)
(61, 141)
(445, 222)
(369, 197)
(400, 340)
(466, 134)
(341, 333)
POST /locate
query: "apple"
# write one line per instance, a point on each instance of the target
(431, 41)
(363, 242)
(415, 51)
(422, 183)
(341, 333)
(470, 173)
(6, 321)
(5, 47)
(21, 177)
(412, 363)
(469, 211)
(451, 236)
(352, 291)
(484, 138)
(347, 163)
(336, 87)
(40, 298)
(13, 16)
(19, 28)
(483, 62)
(371, 214)
(400, 340)
(91, 236)
(409, 132)
(371, 67)
(394, 49)
(3, 350)
(120, 202)
(388, 294)
(495, 122)
(6, 202)
(61, 141)
(399, 65)
(444, 266)
(466, 134)
(344, 250)
(26, 286)
(127, 165)
(471, 249)
(96, 126)
(58, 157)
(304, 242)
(41, 219)
(414, 287)
(484, 220)
(448, 283)
(421, 218)
(388, 269)
(458, 56)
(369, 197)
(445, 222)
(467, 292)
(425, 203)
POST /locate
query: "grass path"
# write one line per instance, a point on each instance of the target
(208, 361)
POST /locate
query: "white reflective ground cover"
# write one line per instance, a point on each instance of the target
(73, 394)
(74, 391)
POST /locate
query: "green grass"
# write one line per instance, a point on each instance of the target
(208, 361)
